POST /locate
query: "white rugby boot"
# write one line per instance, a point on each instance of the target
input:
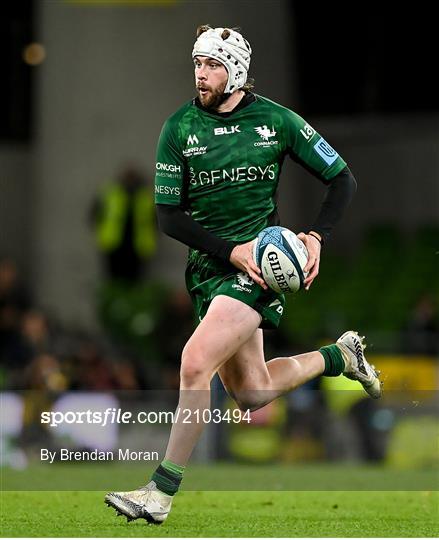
(146, 502)
(357, 367)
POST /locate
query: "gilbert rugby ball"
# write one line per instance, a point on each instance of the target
(281, 256)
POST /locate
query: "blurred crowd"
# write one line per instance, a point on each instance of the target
(37, 352)
(141, 351)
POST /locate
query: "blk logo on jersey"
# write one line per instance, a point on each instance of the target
(192, 139)
(227, 130)
(325, 151)
(265, 134)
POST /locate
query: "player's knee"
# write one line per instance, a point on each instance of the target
(193, 367)
(191, 370)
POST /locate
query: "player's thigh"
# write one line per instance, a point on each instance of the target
(228, 324)
(246, 369)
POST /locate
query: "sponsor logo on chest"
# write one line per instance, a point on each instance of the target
(227, 130)
(233, 175)
(192, 139)
(193, 150)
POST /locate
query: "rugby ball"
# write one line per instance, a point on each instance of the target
(281, 256)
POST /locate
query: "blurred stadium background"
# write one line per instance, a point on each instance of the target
(86, 88)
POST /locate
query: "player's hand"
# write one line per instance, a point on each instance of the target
(242, 258)
(312, 266)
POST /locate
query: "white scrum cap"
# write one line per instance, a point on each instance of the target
(232, 50)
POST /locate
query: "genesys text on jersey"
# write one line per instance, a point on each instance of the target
(236, 174)
(167, 190)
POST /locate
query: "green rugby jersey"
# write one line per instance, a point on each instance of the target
(225, 170)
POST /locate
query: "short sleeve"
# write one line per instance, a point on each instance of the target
(169, 166)
(309, 148)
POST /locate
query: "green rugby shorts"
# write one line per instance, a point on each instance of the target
(207, 277)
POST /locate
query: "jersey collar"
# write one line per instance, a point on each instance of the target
(245, 101)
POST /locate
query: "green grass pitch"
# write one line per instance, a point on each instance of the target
(228, 514)
(60, 506)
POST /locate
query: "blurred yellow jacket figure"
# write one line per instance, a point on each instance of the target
(123, 220)
(114, 214)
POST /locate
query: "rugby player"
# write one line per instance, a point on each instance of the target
(219, 158)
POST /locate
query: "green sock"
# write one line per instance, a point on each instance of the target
(168, 477)
(334, 363)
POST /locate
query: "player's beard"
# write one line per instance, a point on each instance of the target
(214, 97)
